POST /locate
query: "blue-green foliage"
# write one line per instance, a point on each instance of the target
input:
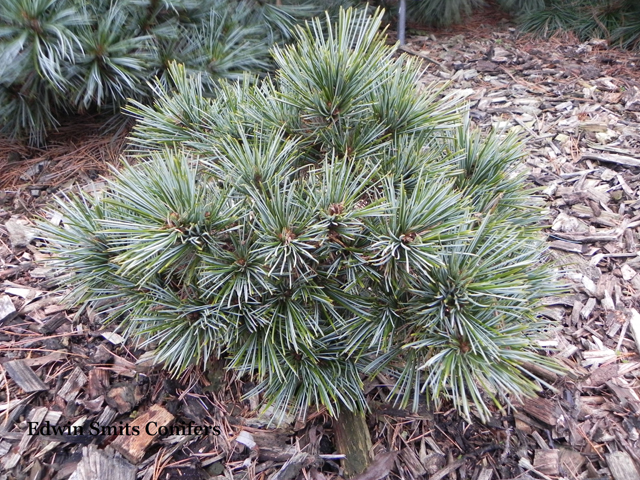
(319, 227)
(62, 57)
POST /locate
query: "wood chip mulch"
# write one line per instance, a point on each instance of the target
(578, 108)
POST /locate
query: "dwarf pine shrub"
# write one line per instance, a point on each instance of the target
(617, 21)
(64, 57)
(320, 227)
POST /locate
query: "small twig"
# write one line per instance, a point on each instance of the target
(510, 75)
(43, 350)
(449, 438)
(526, 127)
(591, 444)
(408, 50)
(414, 439)
(618, 255)
(524, 463)
(160, 463)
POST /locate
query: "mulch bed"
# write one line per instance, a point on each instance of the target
(578, 108)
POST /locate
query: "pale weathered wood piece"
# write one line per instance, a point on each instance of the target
(485, 474)
(7, 309)
(622, 466)
(24, 377)
(76, 380)
(612, 158)
(101, 465)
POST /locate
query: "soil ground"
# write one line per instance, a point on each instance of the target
(577, 106)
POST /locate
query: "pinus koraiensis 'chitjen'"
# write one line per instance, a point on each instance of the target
(319, 227)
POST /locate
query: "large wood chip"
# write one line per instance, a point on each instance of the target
(52, 323)
(24, 377)
(602, 375)
(622, 466)
(98, 382)
(586, 238)
(69, 391)
(101, 465)
(627, 272)
(612, 158)
(541, 409)
(133, 447)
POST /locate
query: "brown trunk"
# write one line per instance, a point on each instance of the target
(353, 440)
